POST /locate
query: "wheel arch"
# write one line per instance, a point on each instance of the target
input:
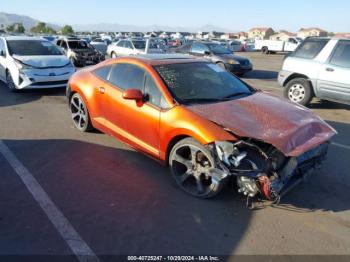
(298, 75)
(171, 144)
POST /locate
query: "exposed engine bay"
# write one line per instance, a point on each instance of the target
(262, 171)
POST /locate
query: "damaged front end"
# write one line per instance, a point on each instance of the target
(262, 171)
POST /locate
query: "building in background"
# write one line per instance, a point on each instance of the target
(342, 35)
(260, 33)
(313, 31)
(283, 35)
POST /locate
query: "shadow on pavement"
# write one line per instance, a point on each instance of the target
(324, 104)
(122, 202)
(8, 98)
(261, 74)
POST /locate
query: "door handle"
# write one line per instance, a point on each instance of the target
(102, 90)
(329, 69)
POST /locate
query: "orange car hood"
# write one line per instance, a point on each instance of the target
(289, 127)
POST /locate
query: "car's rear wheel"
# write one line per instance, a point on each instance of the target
(299, 91)
(80, 113)
(265, 50)
(190, 164)
(10, 83)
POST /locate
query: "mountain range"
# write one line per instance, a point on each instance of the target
(29, 22)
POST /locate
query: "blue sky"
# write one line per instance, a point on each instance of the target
(232, 15)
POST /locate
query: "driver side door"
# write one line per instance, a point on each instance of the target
(134, 122)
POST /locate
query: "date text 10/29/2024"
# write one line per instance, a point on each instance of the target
(173, 258)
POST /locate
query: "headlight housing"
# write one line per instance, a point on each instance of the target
(232, 62)
(22, 66)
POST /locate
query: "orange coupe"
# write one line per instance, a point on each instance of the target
(202, 121)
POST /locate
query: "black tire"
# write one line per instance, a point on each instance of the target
(299, 90)
(265, 50)
(191, 172)
(80, 114)
(10, 84)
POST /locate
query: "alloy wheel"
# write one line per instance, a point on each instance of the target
(79, 113)
(191, 170)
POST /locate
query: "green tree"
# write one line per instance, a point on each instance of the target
(50, 30)
(16, 28)
(331, 34)
(67, 30)
(40, 28)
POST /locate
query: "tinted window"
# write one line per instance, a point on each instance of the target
(199, 48)
(341, 56)
(103, 72)
(310, 48)
(32, 47)
(64, 45)
(184, 49)
(139, 44)
(128, 45)
(152, 91)
(126, 76)
(121, 43)
(2, 45)
(78, 44)
(201, 83)
(218, 49)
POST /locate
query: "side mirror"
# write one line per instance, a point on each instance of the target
(133, 94)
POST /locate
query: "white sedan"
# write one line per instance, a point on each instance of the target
(28, 62)
(127, 47)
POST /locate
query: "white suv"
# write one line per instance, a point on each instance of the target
(28, 62)
(319, 67)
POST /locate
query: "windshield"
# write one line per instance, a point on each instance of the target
(78, 44)
(139, 44)
(32, 48)
(218, 49)
(201, 83)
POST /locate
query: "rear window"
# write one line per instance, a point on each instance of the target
(310, 48)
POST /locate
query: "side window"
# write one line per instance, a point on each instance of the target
(126, 76)
(341, 56)
(2, 46)
(128, 45)
(103, 72)
(185, 49)
(309, 49)
(291, 40)
(152, 92)
(121, 43)
(199, 48)
(64, 45)
(58, 42)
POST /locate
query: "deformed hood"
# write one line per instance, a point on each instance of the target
(43, 61)
(289, 127)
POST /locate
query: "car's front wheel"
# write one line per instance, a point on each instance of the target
(10, 83)
(190, 164)
(114, 55)
(299, 91)
(80, 113)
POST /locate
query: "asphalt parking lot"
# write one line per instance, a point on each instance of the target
(121, 202)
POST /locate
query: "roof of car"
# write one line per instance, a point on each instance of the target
(23, 38)
(163, 59)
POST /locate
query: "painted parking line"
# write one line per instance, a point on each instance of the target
(61, 223)
(341, 145)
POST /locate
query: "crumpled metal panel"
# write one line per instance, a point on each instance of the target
(289, 127)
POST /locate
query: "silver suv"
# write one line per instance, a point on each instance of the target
(319, 67)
